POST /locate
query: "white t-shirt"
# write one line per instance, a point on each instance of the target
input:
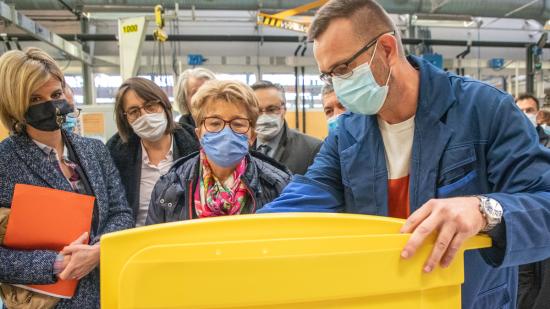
(398, 141)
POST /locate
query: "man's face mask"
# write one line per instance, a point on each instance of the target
(360, 93)
(48, 116)
(268, 126)
(332, 123)
(532, 118)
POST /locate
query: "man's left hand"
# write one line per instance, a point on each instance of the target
(454, 219)
(84, 258)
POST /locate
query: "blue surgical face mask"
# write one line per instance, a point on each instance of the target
(532, 118)
(546, 128)
(225, 148)
(333, 123)
(69, 124)
(360, 93)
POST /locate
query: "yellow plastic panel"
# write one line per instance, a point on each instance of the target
(274, 261)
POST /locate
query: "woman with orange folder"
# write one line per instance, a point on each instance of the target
(38, 152)
(224, 177)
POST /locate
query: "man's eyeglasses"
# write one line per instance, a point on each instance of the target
(343, 70)
(215, 125)
(272, 110)
(151, 107)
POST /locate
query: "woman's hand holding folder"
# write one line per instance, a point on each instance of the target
(83, 258)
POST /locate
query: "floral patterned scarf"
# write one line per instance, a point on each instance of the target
(213, 198)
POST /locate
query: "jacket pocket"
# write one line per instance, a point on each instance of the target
(458, 176)
(460, 186)
(495, 298)
(455, 164)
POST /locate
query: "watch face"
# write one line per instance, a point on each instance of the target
(493, 210)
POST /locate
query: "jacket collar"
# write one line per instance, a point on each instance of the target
(431, 137)
(90, 165)
(38, 162)
(283, 141)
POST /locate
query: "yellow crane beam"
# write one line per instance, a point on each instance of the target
(269, 20)
(280, 20)
(300, 9)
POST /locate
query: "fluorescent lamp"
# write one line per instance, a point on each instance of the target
(443, 20)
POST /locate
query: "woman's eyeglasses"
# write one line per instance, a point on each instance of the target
(151, 107)
(215, 125)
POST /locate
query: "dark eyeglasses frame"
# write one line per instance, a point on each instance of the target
(156, 103)
(280, 108)
(326, 77)
(225, 123)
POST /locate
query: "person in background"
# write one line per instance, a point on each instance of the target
(543, 120)
(534, 278)
(72, 120)
(224, 178)
(38, 152)
(451, 155)
(291, 148)
(331, 106)
(529, 105)
(187, 85)
(148, 141)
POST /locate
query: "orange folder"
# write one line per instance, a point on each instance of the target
(48, 219)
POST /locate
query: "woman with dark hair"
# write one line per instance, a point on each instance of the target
(148, 140)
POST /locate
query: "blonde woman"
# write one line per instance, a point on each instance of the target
(38, 152)
(187, 85)
(223, 178)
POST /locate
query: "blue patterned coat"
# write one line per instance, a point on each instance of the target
(21, 161)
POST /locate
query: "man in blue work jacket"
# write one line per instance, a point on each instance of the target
(453, 155)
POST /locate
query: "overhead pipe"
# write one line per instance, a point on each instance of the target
(273, 39)
(527, 9)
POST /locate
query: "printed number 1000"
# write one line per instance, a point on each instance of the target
(130, 28)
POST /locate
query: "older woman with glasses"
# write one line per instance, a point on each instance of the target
(223, 178)
(148, 141)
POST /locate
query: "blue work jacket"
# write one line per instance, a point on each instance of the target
(469, 139)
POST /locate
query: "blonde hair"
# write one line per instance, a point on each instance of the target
(180, 91)
(227, 91)
(21, 74)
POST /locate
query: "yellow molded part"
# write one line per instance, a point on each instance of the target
(275, 261)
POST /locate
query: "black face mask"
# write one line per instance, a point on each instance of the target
(48, 116)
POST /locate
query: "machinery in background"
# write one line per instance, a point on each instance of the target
(534, 62)
(288, 20)
(459, 68)
(131, 35)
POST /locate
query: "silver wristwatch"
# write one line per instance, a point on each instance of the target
(491, 210)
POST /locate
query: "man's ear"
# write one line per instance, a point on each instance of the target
(253, 137)
(390, 48)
